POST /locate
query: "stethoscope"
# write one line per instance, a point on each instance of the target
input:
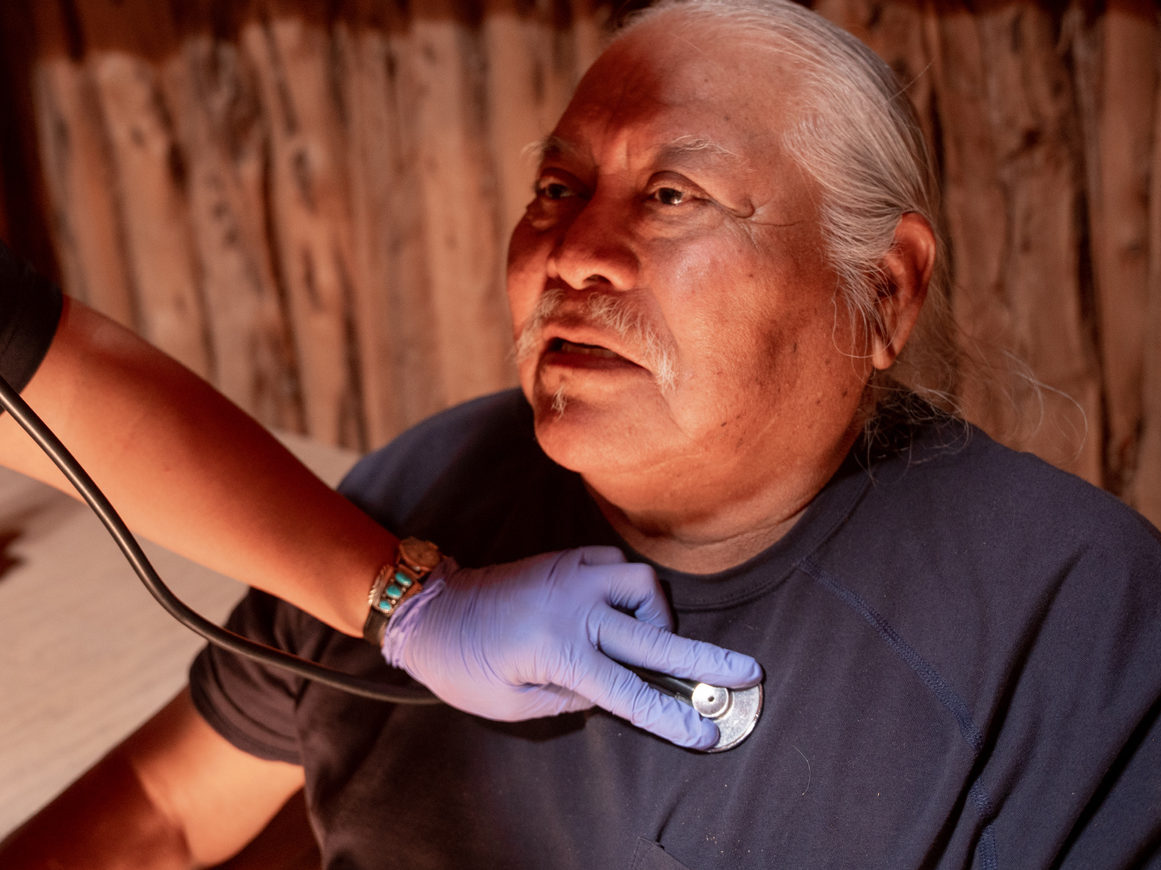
(735, 712)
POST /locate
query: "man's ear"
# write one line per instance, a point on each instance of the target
(907, 269)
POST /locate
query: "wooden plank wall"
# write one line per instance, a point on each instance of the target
(308, 203)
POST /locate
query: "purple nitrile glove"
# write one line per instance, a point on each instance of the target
(545, 635)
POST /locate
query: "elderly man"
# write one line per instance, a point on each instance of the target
(729, 245)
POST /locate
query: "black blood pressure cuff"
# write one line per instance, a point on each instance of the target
(30, 309)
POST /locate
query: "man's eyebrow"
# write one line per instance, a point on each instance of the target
(684, 146)
(553, 146)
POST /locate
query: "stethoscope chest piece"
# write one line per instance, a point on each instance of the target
(735, 711)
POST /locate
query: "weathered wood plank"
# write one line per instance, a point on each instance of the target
(1011, 172)
(71, 130)
(1040, 167)
(393, 316)
(309, 210)
(458, 190)
(1145, 490)
(1125, 101)
(222, 125)
(132, 62)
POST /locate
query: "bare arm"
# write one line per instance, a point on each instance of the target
(174, 795)
(189, 470)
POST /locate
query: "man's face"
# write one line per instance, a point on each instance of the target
(687, 338)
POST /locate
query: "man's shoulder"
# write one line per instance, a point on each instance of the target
(997, 479)
(972, 494)
(474, 434)
(961, 551)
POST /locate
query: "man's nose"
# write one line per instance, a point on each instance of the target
(595, 248)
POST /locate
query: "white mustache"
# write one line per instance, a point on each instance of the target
(610, 312)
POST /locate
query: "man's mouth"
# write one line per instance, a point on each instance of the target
(560, 345)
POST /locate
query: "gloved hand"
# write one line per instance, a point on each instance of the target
(539, 637)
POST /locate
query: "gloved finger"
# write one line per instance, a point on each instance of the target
(631, 587)
(633, 642)
(627, 696)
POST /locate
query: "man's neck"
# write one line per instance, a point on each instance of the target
(695, 550)
(691, 534)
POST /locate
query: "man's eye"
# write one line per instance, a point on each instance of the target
(553, 190)
(670, 196)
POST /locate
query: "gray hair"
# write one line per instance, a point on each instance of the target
(857, 136)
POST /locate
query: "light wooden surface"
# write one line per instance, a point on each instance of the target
(87, 654)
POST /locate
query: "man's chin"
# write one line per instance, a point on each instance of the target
(557, 417)
(572, 432)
